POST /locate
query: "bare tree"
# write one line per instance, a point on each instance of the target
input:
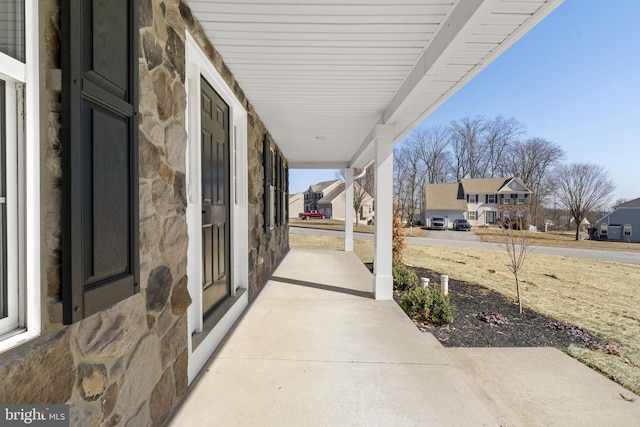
(363, 188)
(430, 146)
(517, 245)
(467, 149)
(409, 174)
(500, 134)
(532, 160)
(479, 145)
(582, 188)
(619, 201)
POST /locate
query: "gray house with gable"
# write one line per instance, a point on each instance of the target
(622, 224)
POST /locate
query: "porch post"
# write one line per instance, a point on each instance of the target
(382, 276)
(348, 210)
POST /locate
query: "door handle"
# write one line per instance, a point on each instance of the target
(207, 214)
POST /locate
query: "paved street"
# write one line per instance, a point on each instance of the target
(469, 240)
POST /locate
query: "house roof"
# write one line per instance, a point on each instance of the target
(492, 185)
(333, 194)
(323, 76)
(321, 186)
(443, 197)
(483, 185)
(635, 203)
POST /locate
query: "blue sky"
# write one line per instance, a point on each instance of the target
(574, 80)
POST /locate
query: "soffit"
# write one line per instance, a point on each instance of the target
(322, 74)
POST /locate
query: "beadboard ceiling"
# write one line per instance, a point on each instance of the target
(322, 74)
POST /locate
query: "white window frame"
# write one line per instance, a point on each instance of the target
(473, 198)
(473, 215)
(23, 188)
(627, 230)
(492, 199)
(11, 322)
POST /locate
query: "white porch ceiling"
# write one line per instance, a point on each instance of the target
(322, 74)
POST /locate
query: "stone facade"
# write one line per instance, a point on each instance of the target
(127, 365)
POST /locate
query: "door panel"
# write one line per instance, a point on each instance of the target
(215, 198)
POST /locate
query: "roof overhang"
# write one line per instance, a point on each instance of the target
(323, 75)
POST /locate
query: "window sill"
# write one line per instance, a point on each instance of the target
(15, 338)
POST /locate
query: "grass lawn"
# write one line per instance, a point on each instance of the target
(494, 234)
(338, 225)
(602, 297)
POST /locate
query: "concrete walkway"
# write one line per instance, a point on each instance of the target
(316, 349)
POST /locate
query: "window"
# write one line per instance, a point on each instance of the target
(473, 215)
(9, 306)
(627, 230)
(491, 217)
(12, 35)
(19, 175)
(491, 198)
(275, 187)
(604, 229)
(472, 198)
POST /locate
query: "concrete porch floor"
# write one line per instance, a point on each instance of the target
(316, 349)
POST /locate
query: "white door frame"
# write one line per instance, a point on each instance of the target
(197, 65)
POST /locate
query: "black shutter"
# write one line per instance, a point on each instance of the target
(266, 160)
(467, 198)
(276, 191)
(486, 198)
(280, 191)
(100, 264)
(286, 194)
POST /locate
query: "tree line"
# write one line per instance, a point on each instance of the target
(479, 147)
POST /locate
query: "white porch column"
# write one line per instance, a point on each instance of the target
(348, 210)
(382, 275)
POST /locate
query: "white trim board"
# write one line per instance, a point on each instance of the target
(28, 156)
(197, 65)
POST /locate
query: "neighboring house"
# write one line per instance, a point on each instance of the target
(330, 197)
(144, 177)
(567, 222)
(334, 203)
(482, 201)
(622, 224)
(441, 200)
(317, 192)
(296, 205)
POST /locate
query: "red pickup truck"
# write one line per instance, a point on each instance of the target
(311, 214)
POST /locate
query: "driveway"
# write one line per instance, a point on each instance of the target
(469, 240)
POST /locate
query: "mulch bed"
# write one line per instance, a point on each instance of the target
(485, 318)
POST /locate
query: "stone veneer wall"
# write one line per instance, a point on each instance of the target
(128, 365)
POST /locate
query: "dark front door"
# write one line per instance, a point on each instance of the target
(215, 198)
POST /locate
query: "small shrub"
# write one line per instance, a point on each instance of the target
(403, 278)
(416, 303)
(428, 304)
(442, 312)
